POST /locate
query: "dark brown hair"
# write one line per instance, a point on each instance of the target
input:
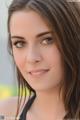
(64, 17)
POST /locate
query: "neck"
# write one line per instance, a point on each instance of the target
(50, 101)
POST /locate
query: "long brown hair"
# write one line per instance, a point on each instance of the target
(64, 17)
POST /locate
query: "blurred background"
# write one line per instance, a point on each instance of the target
(7, 77)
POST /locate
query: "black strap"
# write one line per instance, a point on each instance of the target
(26, 108)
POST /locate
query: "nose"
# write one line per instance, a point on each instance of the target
(33, 55)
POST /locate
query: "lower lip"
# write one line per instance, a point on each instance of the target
(37, 74)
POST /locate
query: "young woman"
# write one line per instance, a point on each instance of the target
(44, 40)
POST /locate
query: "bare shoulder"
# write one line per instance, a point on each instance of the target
(8, 107)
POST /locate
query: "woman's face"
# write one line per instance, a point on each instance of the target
(35, 51)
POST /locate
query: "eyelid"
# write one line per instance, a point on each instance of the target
(48, 40)
(47, 37)
(17, 42)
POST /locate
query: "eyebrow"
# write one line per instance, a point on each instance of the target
(18, 37)
(44, 33)
(39, 35)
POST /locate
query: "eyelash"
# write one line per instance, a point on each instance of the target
(48, 40)
(45, 41)
(19, 44)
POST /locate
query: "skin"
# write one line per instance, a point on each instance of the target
(34, 51)
(8, 107)
(38, 58)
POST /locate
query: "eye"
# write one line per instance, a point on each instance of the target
(19, 44)
(48, 41)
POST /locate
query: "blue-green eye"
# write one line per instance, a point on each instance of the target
(48, 40)
(19, 44)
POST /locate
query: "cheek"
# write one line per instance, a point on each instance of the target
(54, 59)
(19, 59)
(53, 56)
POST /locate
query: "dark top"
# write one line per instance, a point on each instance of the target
(26, 108)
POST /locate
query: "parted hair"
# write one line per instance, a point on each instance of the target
(63, 16)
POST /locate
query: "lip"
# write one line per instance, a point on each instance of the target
(38, 72)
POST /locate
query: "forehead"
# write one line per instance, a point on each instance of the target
(27, 22)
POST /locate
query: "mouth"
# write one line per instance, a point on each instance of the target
(38, 72)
